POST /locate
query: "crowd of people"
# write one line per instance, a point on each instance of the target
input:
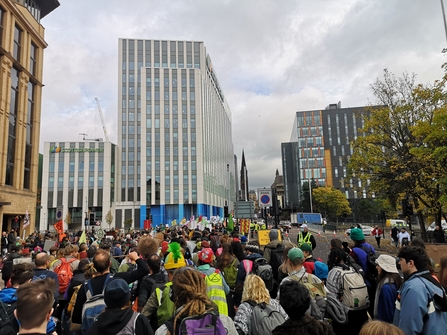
(182, 281)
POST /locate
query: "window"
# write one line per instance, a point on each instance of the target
(2, 12)
(29, 133)
(17, 45)
(33, 59)
(10, 157)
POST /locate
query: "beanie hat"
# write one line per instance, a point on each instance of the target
(205, 244)
(357, 234)
(117, 293)
(175, 259)
(244, 239)
(106, 244)
(164, 246)
(273, 234)
(306, 247)
(206, 255)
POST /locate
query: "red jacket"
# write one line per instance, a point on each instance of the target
(380, 232)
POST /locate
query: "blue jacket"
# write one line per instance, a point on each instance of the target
(361, 257)
(387, 303)
(8, 295)
(415, 312)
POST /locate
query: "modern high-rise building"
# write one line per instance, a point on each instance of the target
(21, 55)
(78, 183)
(176, 158)
(319, 150)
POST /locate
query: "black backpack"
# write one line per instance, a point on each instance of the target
(371, 273)
(276, 259)
(8, 323)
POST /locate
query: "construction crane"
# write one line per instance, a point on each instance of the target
(84, 138)
(102, 120)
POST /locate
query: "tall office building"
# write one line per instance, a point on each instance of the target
(319, 150)
(176, 157)
(21, 55)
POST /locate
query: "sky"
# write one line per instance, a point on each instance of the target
(272, 58)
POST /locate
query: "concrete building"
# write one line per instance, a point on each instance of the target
(278, 189)
(177, 156)
(21, 51)
(79, 180)
(319, 149)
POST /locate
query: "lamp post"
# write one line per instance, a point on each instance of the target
(229, 187)
(445, 24)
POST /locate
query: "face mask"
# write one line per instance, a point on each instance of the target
(302, 230)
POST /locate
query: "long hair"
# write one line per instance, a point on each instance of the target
(226, 257)
(190, 292)
(442, 275)
(395, 277)
(285, 267)
(237, 250)
(254, 289)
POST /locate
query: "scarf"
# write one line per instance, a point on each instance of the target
(384, 281)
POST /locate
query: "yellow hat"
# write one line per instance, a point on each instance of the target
(175, 259)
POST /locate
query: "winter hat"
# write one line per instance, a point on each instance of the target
(175, 259)
(206, 255)
(295, 253)
(273, 234)
(117, 293)
(306, 247)
(205, 244)
(387, 263)
(244, 239)
(164, 246)
(357, 234)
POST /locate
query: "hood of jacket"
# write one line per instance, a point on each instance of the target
(253, 256)
(8, 295)
(273, 244)
(111, 321)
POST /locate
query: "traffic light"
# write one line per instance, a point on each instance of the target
(91, 218)
(407, 208)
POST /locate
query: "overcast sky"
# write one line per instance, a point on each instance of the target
(272, 58)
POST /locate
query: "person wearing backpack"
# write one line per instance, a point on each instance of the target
(421, 305)
(252, 253)
(217, 288)
(101, 264)
(41, 271)
(295, 300)
(155, 279)
(363, 254)
(118, 318)
(258, 313)
(194, 311)
(350, 288)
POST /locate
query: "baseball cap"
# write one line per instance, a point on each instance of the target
(295, 253)
(304, 225)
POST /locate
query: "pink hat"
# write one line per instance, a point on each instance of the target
(206, 255)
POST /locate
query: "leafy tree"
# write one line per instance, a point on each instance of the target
(68, 218)
(128, 222)
(109, 218)
(392, 154)
(330, 202)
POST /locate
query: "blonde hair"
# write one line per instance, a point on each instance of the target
(254, 289)
(380, 328)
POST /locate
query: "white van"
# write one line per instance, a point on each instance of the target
(396, 223)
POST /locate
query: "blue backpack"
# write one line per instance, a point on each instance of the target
(321, 270)
(94, 305)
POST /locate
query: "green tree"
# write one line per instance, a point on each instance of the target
(330, 202)
(109, 218)
(68, 218)
(391, 155)
(128, 222)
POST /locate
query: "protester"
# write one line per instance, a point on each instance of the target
(146, 287)
(380, 328)
(395, 235)
(190, 299)
(416, 312)
(254, 292)
(335, 284)
(4, 244)
(295, 300)
(42, 262)
(309, 260)
(442, 274)
(118, 317)
(439, 234)
(8, 262)
(285, 268)
(377, 233)
(37, 297)
(404, 237)
(389, 282)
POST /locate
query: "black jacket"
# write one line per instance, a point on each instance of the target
(4, 243)
(307, 325)
(111, 321)
(98, 283)
(8, 262)
(145, 287)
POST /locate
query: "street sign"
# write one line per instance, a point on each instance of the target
(59, 213)
(265, 197)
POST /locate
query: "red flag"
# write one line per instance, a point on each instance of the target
(200, 219)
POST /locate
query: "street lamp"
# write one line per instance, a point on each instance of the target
(229, 186)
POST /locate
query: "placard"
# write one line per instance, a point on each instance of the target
(48, 245)
(263, 236)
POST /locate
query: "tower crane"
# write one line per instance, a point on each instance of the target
(102, 120)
